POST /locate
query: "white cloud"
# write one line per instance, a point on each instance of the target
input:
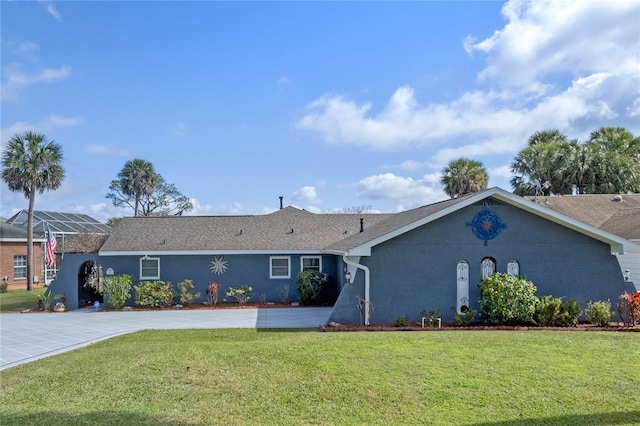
(306, 194)
(107, 150)
(557, 64)
(45, 126)
(51, 9)
(403, 190)
(545, 37)
(16, 80)
(180, 130)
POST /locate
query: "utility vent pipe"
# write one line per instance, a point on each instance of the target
(361, 224)
(281, 197)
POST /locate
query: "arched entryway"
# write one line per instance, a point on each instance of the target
(90, 283)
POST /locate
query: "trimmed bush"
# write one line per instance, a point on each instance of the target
(554, 311)
(401, 321)
(154, 294)
(599, 313)
(186, 294)
(242, 293)
(117, 290)
(310, 285)
(464, 318)
(506, 299)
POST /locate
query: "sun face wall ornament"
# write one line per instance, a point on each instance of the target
(486, 224)
(219, 265)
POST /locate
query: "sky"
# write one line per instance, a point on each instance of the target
(331, 105)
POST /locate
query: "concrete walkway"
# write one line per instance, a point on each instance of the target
(28, 337)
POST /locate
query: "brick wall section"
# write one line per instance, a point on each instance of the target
(10, 249)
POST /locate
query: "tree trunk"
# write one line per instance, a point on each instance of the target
(32, 196)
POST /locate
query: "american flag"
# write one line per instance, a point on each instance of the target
(50, 255)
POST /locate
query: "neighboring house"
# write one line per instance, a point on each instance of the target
(425, 258)
(13, 256)
(64, 226)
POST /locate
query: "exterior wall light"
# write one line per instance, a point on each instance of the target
(627, 275)
(347, 277)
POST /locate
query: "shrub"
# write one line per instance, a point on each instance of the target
(3, 286)
(310, 287)
(547, 311)
(242, 293)
(570, 310)
(117, 290)
(154, 294)
(506, 298)
(212, 293)
(284, 294)
(186, 294)
(599, 313)
(464, 318)
(48, 297)
(401, 321)
(553, 311)
(629, 308)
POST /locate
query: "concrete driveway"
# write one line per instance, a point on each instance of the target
(28, 337)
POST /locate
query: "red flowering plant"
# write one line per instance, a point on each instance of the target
(212, 293)
(629, 308)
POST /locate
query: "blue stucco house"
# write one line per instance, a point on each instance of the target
(585, 247)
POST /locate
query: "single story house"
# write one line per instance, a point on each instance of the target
(425, 258)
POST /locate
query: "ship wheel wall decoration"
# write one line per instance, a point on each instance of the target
(486, 225)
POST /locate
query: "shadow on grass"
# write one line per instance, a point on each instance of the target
(618, 418)
(94, 418)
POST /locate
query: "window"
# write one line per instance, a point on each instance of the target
(280, 267)
(19, 267)
(311, 263)
(462, 304)
(513, 268)
(487, 267)
(150, 268)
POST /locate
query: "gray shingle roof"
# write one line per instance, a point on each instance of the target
(288, 229)
(617, 214)
(394, 223)
(291, 229)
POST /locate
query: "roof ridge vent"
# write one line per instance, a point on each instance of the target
(617, 198)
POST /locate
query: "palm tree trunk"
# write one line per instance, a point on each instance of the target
(32, 196)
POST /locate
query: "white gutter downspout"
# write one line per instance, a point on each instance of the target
(366, 285)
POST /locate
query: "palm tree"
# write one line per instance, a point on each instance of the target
(29, 165)
(543, 165)
(617, 160)
(463, 176)
(137, 179)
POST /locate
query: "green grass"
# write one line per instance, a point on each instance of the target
(236, 377)
(19, 300)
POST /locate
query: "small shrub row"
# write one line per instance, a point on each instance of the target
(156, 294)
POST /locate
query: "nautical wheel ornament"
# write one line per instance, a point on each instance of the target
(486, 224)
(219, 265)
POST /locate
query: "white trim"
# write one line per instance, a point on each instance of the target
(149, 277)
(277, 277)
(207, 252)
(311, 257)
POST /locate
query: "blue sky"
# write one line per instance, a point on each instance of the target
(328, 104)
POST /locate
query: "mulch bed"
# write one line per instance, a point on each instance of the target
(613, 326)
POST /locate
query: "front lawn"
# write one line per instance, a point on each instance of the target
(20, 299)
(236, 377)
